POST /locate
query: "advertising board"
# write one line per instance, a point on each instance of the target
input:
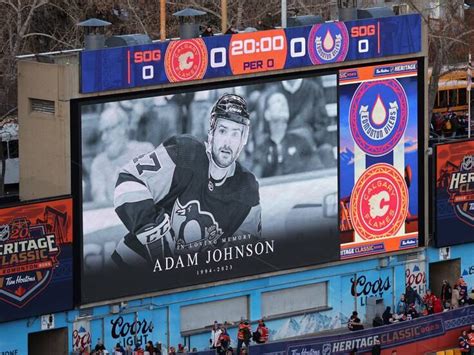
(454, 193)
(211, 185)
(247, 53)
(378, 177)
(36, 259)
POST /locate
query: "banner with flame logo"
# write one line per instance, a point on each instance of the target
(164, 62)
(378, 159)
(35, 259)
(454, 193)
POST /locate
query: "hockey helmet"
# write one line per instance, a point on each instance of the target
(230, 107)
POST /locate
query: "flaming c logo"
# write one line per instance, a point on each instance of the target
(379, 202)
(186, 60)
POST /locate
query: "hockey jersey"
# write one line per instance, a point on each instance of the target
(174, 178)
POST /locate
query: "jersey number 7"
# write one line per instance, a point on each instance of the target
(147, 162)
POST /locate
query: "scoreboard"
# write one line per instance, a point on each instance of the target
(247, 53)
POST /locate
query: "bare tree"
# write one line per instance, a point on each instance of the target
(449, 39)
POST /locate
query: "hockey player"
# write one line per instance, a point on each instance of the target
(187, 196)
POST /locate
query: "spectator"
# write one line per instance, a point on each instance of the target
(377, 321)
(284, 152)
(437, 123)
(462, 291)
(437, 305)
(428, 301)
(244, 334)
(207, 32)
(355, 322)
(412, 312)
(455, 297)
(463, 343)
(138, 349)
(215, 333)
(158, 348)
(231, 31)
(181, 349)
(307, 106)
(470, 338)
(261, 334)
(376, 349)
(267, 22)
(471, 297)
(100, 347)
(119, 349)
(224, 341)
(402, 307)
(449, 122)
(149, 347)
(118, 150)
(387, 316)
(411, 296)
(446, 294)
(172, 350)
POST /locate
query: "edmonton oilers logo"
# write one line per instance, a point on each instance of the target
(328, 43)
(379, 202)
(378, 116)
(186, 60)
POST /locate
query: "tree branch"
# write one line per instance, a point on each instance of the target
(32, 34)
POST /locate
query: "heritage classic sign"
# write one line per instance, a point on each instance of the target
(246, 53)
(454, 193)
(35, 259)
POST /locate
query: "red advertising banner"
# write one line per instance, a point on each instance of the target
(35, 258)
(454, 193)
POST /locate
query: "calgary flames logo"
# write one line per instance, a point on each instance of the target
(379, 202)
(186, 60)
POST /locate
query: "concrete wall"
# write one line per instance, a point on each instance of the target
(45, 156)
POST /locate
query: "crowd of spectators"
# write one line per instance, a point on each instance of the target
(448, 125)
(220, 341)
(466, 341)
(411, 305)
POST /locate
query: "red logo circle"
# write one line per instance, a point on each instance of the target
(379, 202)
(186, 60)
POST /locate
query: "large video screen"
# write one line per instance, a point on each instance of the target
(454, 193)
(208, 185)
(378, 181)
(36, 259)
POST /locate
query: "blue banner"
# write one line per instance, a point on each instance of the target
(389, 336)
(246, 53)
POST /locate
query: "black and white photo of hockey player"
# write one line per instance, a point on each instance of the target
(188, 196)
(235, 181)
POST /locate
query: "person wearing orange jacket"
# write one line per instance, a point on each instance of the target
(244, 334)
(261, 336)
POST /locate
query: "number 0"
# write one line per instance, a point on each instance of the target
(148, 72)
(363, 46)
